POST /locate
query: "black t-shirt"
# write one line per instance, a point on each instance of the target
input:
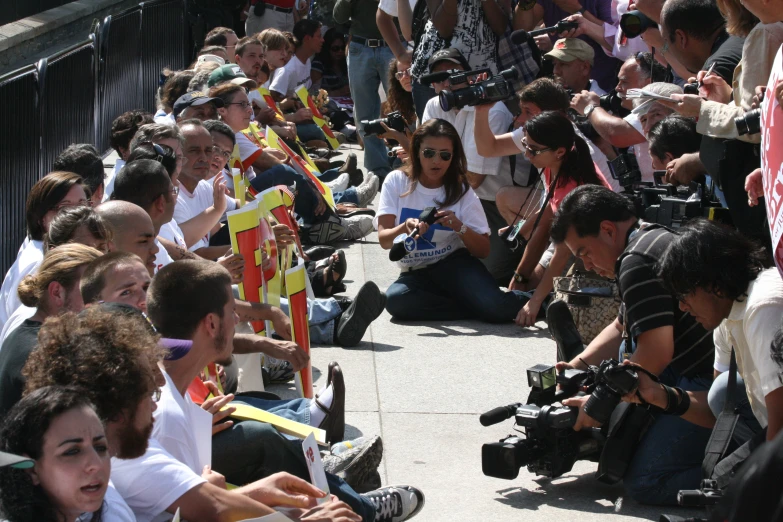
(647, 305)
(726, 54)
(13, 356)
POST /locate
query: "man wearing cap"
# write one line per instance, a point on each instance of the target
(486, 175)
(573, 62)
(196, 105)
(636, 72)
(368, 68)
(231, 73)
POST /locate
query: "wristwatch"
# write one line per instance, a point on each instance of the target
(462, 229)
(519, 278)
(589, 110)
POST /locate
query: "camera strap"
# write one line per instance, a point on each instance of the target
(724, 426)
(543, 206)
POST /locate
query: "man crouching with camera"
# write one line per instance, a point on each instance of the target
(601, 228)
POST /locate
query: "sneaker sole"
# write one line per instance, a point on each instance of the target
(364, 465)
(366, 309)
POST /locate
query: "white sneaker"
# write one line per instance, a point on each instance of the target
(356, 227)
(366, 191)
(396, 503)
(339, 184)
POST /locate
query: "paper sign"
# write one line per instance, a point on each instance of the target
(283, 425)
(296, 288)
(315, 467)
(176, 516)
(267, 97)
(277, 201)
(244, 229)
(318, 118)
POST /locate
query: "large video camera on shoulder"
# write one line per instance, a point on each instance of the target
(550, 446)
(495, 89)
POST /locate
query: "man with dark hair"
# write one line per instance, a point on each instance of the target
(111, 353)
(636, 72)
(670, 138)
(224, 37)
(600, 228)
(223, 141)
(250, 57)
(84, 160)
(117, 277)
(177, 310)
(719, 277)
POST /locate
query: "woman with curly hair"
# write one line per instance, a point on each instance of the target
(442, 278)
(57, 427)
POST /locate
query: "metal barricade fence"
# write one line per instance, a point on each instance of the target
(119, 67)
(164, 18)
(67, 108)
(19, 156)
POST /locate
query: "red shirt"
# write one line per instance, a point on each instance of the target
(560, 192)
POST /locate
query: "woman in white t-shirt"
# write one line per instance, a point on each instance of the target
(58, 428)
(442, 277)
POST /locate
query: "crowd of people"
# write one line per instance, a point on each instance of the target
(125, 291)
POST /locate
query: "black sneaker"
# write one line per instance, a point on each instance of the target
(366, 307)
(328, 231)
(396, 503)
(358, 465)
(563, 330)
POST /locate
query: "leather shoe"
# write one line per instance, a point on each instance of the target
(563, 330)
(334, 422)
(318, 252)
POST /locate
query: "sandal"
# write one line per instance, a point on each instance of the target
(323, 281)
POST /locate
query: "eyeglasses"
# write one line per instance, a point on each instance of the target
(156, 395)
(217, 151)
(242, 104)
(534, 152)
(430, 153)
(175, 189)
(402, 74)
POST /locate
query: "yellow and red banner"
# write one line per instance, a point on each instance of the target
(301, 166)
(296, 286)
(245, 231)
(267, 97)
(318, 118)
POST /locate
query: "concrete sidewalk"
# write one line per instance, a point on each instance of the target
(422, 386)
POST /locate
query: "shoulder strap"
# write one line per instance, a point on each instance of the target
(724, 426)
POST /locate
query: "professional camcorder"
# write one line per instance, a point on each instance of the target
(749, 123)
(550, 446)
(495, 89)
(393, 120)
(634, 23)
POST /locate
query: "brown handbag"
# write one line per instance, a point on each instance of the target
(592, 311)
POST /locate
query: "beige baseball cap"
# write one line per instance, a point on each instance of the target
(570, 49)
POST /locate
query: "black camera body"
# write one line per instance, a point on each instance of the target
(673, 206)
(625, 169)
(749, 123)
(495, 89)
(393, 120)
(634, 23)
(612, 102)
(691, 88)
(551, 446)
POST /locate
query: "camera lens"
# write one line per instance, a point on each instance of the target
(749, 123)
(447, 100)
(631, 25)
(601, 404)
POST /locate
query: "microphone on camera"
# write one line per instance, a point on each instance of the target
(407, 243)
(431, 78)
(519, 37)
(498, 414)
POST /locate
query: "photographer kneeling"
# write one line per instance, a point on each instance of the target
(442, 278)
(601, 228)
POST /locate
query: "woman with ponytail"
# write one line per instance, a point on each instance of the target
(563, 158)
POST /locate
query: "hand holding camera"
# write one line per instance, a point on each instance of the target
(581, 100)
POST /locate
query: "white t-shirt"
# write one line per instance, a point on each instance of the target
(286, 80)
(171, 232)
(750, 328)
(152, 482)
(191, 205)
(599, 158)
(27, 261)
(163, 118)
(162, 258)
(390, 6)
(497, 170)
(249, 151)
(182, 428)
(114, 509)
(108, 186)
(641, 150)
(439, 241)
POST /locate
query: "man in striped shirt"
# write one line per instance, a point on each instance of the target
(601, 228)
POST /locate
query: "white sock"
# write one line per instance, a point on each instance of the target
(317, 415)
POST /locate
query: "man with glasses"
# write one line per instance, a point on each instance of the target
(486, 175)
(223, 141)
(635, 73)
(224, 37)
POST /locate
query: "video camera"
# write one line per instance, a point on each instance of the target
(393, 120)
(495, 89)
(551, 446)
(634, 23)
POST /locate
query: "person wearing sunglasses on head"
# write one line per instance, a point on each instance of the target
(442, 277)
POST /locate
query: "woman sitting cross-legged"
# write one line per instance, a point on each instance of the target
(442, 278)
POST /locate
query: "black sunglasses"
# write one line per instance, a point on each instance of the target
(430, 153)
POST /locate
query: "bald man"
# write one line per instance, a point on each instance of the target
(132, 229)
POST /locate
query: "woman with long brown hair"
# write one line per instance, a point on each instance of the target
(442, 277)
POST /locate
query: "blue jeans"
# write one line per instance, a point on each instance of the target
(306, 199)
(421, 95)
(322, 315)
(347, 196)
(309, 132)
(457, 287)
(669, 456)
(251, 450)
(368, 68)
(747, 424)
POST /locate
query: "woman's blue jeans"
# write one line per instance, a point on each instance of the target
(457, 287)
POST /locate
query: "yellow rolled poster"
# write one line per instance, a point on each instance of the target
(296, 287)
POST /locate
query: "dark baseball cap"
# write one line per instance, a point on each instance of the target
(230, 73)
(194, 98)
(15, 461)
(448, 55)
